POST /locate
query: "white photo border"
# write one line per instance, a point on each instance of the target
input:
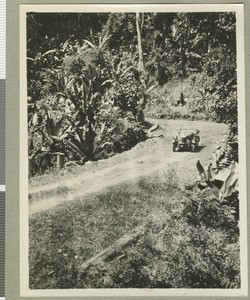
(23, 154)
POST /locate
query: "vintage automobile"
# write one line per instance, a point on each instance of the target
(186, 139)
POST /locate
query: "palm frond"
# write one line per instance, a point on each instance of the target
(89, 43)
(73, 145)
(48, 52)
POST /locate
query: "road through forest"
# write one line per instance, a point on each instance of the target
(145, 159)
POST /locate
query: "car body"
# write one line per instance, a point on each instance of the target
(186, 139)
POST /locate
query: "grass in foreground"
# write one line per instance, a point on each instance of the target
(191, 240)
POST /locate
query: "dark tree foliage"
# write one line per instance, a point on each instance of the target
(47, 31)
(122, 30)
(91, 61)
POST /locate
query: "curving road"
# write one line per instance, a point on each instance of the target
(143, 160)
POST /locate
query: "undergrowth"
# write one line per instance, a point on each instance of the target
(191, 239)
(180, 99)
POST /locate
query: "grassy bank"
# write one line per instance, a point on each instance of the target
(164, 101)
(191, 239)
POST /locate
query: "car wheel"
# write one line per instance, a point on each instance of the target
(174, 148)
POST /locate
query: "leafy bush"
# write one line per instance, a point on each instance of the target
(223, 105)
(195, 245)
(99, 99)
(163, 101)
(178, 256)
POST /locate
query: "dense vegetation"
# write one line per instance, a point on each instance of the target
(91, 80)
(90, 77)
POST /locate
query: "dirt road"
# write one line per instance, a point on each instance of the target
(145, 159)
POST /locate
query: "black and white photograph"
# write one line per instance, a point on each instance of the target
(133, 172)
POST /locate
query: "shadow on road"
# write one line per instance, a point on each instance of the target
(199, 148)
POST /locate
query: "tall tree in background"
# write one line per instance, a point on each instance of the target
(139, 24)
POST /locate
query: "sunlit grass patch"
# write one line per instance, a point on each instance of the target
(188, 242)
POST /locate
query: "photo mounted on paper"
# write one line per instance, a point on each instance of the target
(133, 171)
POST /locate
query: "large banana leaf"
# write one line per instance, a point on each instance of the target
(76, 147)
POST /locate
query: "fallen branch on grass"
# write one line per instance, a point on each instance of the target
(114, 249)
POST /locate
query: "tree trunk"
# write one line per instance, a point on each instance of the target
(140, 62)
(183, 62)
(59, 160)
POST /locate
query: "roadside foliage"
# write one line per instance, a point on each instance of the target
(92, 81)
